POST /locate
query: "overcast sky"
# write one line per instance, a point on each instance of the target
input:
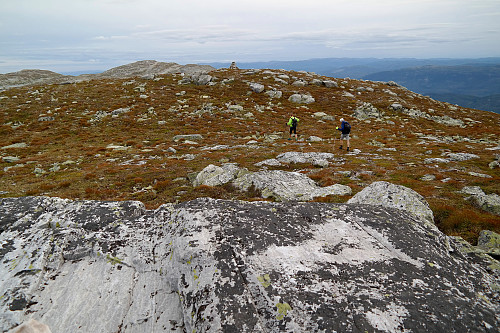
(95, 35)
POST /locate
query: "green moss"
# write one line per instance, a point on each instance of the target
(283, 309)
(265, 280)
(113, 260)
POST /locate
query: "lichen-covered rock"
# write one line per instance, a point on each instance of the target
(188, 137)
(231, 266)
(488, 202)
(395, 196)
(366, 111)
(489, 242)
(298, 157)
(459, 157)
(256, 87)
(301, 99)
(213, 175)
(287, 186)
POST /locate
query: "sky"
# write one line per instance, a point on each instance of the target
(96, 35)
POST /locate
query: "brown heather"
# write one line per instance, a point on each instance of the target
(146, 171)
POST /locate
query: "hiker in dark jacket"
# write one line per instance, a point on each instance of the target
(345, 129)
(292, 122)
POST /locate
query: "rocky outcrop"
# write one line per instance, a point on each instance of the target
(487, 202)
(366, 111)
(301, 99)
(144, 68)
(287, 186)
(415, 113)
(231, 266)
(489, 242)
(152, 67)
(30, 77)
(279, 185)
(213, 175)
(395, 196)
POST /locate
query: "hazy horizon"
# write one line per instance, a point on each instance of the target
(95, 35)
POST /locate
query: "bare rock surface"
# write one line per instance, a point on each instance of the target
(395, 196)
(287, 186)
(230, 266)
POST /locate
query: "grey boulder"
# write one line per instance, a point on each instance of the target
(213, 175)
(287, 186)
(395, 196)
(489, 242)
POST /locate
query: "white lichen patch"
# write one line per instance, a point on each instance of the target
(388, 320)
(337, 242)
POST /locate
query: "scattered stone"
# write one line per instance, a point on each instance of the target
(274, 93)
(39, 171)
(331, 84)
(16, 145)
(213, 175)
(366, 111)
(299, 83)
(216, 147)
(459, 157)
(314, 139)
(201, 79)
(313, 158)
(235, 108)
(117, 147)
(487, 202)
(319, 115)
(256, 87)
(187, 137)
(473, 190)
(301, 99)
(323, 116)
(46, 118)
(476, 174)
(269, 162)
(10, 159)
(436, 160)
(119, 111)
(427, 178)
(55, 167)
(317, 82)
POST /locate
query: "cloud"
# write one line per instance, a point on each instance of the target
(118, 30)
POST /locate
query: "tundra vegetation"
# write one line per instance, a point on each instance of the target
(122, 139)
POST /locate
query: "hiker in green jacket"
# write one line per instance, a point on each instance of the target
(292, 122)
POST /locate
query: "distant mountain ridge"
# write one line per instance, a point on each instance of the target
(138, 68)
(473, 83)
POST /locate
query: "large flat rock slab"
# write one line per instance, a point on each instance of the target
(229, 266)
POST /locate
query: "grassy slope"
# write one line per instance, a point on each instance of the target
(146, 171)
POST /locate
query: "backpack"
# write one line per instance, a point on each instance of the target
(294, 122)
(347, 128)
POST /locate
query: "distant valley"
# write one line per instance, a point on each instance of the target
(472, 83)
